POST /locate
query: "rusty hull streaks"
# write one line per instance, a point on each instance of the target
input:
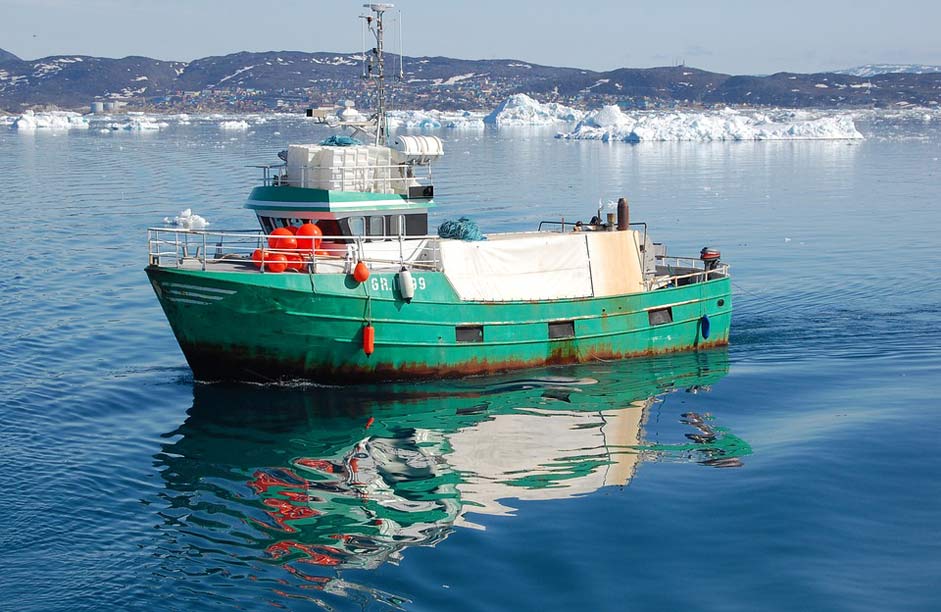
(211, 364)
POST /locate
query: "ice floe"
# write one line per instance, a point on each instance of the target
(187, 220)
(610, 123)
(434, 119)
(50, 120)
(237, 124)
(520, 109)
(136, 123)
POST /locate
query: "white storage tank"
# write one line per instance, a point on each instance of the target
(418, 150)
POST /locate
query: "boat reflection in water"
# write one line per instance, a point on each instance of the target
(314, 479)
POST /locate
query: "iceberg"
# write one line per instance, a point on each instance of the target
(610, 123)
(520, 109)
(31, 121)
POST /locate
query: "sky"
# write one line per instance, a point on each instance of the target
(735, 37)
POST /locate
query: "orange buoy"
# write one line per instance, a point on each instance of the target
(369, 339)
(361, 272)
(308, 237)
(257, 256)
(276, 262)
(295, 262)
(282, 239)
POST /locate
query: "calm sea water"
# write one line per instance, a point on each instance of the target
(796, 470)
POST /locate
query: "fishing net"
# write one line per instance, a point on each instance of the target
(340, 141)
(463, 229)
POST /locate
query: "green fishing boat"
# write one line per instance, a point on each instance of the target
(344, 283)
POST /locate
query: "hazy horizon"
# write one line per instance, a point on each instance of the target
(723, 37)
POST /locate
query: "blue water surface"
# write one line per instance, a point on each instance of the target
(795, 470)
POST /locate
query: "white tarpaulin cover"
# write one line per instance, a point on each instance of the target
(523, 267)
(543, 266)
(615, 265)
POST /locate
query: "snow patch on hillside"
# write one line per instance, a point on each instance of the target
(611, 124)
(234, 74)
(871, 70)
(455, 79)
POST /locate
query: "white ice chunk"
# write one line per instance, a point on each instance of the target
(234, 125)
(50, 120)
(187, 220)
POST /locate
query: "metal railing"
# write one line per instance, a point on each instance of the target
(375, 178)
(686, 270)
(233, 251)
(179, 248)
(578, 226)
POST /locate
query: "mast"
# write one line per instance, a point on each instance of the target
(375, 67)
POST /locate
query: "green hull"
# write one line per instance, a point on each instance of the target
(267, 327)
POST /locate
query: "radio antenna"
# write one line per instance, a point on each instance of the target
(375, 69)
(401, 50)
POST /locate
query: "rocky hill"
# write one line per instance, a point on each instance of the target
(6, 56)
(291, 80)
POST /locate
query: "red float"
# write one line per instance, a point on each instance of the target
(257, 256)
(361, 272)
(282, 239)
(308, 237)
(276, 262)
(295, 262)
(369, 339)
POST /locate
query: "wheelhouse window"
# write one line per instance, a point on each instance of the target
(330, 227)
(381, 226)
(416, 225)
(376, 226)
(355, 226)
(396, 225)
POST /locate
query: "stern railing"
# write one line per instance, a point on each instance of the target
(680, 271)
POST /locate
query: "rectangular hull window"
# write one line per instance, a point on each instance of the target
(469, 333)
(660, 316)
(561, 329)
